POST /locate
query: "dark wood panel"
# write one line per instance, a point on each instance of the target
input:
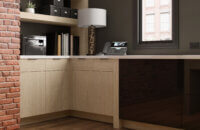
(191, 117)
(151, 91)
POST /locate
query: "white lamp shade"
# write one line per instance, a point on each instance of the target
(92, 17)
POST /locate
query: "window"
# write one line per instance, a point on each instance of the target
(165, 36)
(164, 2)
(149, 3)
(158, 24)
(165, 23)
(150, 22)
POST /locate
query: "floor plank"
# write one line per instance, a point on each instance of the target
(69, 124)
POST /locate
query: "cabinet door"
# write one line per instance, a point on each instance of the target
(32, 93)
(93, 92)
(151, 91)
(80, 87)
(56, 83)
(66, 98)
(100, 93)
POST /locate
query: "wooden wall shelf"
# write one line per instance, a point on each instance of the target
(47, 19)
(61, 21)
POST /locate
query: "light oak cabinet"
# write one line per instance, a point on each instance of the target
(57, 85)
(85, 85)
(93, 84)
(32, 65)
(93, 92)
(44, 87)
(57, 65)
(32, 93)
(57, 92)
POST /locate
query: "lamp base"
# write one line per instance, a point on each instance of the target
(91, 41)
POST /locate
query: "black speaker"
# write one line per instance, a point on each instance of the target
(51, 10)
(59, 3)
(74, 13)
(65, 12)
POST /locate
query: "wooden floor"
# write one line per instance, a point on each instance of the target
(69, 124)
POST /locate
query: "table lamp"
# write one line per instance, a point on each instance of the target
(92, 18)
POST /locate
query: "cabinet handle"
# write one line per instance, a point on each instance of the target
(103, 58)
(31, 59)
(81, 59)
(56, 59)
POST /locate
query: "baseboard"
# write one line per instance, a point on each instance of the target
(144, 126)
(91, 116)
(68, 113)
(45, 117)
(95, 117)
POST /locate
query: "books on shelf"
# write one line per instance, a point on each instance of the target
(62, 44)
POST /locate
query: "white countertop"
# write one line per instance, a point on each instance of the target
(44, 57)
(192, 57)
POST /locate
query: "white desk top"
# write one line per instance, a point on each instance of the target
(186, 57)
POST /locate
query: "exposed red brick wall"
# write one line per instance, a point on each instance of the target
(9, 64)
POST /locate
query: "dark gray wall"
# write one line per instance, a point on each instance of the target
(122, 26)
(41, 29)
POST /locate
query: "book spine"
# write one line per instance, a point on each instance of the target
(71, 44)
(59, 45)
(62, 44)
(55, 44)
(66, 44)
(76, 45)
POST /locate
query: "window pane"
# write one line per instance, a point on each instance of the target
(149, 3)
(164, 22)
(165, 36)
(164, 2)
(150, 22)
(157, 20)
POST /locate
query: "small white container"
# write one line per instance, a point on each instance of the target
(30, 10)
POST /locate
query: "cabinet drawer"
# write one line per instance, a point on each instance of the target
(32, 65)
(194, 64)
(93, 64)
(104, 65)
(82, 64)
(56, 64)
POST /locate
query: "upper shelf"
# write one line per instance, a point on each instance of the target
(47, 19)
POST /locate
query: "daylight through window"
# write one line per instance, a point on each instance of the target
(156, 20)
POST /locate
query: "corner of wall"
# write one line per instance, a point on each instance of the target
(9, 64)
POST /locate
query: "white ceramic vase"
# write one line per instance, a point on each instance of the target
(30, 10)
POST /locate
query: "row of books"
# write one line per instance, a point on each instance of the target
(62, 44)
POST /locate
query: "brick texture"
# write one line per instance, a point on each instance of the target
(9, 65)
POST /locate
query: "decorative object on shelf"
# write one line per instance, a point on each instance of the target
(74, 13)
(30, 7)
(58, 3)
(92, 18)
(51, 10)
(33, 45)
(65, 12)
(115, 48)
(58, 8)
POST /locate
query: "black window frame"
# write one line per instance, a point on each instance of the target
(174, 43)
